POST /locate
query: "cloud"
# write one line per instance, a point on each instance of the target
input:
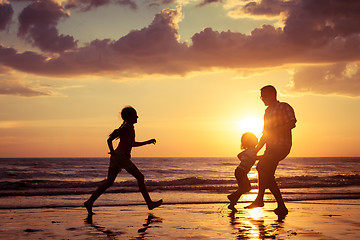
(156, 50)
(266, 7)
(312, 34)
(151, 50)
(10, 86)
(9, 124)
(38, 25)
(6, 13)
(340, 79)
(261, 9)
(87, 5)
(18, 84)
(206, 2)
(318, 23)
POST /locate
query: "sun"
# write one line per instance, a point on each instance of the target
(251, 124)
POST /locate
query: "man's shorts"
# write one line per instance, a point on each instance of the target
(271, 158)
(120, 160)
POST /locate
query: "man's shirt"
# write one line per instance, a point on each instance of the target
(275, 117)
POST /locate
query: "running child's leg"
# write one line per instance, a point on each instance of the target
(133, 170)
(112, 173)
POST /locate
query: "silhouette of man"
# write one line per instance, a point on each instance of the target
(279, 120)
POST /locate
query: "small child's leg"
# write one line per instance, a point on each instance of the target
(246, 184)
(234, 197)
(232, 207)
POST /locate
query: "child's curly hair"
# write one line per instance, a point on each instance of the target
(248, 139)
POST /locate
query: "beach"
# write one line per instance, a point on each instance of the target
(41, 198)
(318, 219)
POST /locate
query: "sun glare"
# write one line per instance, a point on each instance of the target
(251, 124)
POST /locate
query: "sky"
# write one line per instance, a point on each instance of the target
(191, 68)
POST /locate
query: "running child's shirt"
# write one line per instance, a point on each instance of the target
(126, 133)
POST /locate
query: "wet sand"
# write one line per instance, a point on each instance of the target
(326, 219)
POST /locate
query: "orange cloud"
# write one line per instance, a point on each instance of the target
(339, 79)
(10, 86)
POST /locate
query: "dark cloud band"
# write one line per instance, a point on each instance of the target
(311, 35)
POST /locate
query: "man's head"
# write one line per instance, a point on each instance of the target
(268, 95)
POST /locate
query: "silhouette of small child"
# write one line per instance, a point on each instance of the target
(247, 160)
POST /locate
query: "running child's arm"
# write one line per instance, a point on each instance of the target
(138, 144)
(112, 136)
(110, 145)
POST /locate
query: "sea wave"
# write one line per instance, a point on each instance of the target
(46, 187)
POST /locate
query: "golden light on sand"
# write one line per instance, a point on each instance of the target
(256, 213)
(251, 124)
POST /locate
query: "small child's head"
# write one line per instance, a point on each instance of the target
(128, 114)
(248, 140)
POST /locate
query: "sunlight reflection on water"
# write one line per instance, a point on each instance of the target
(255, 224)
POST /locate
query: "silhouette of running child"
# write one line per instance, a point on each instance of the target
(247, 160)
(120, 159)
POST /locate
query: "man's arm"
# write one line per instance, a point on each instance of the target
(287, 126)
(260, 144)
(290, 119)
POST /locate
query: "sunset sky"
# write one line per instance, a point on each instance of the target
(191, 68)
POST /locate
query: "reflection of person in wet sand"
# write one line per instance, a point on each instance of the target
(149, 220)
(120, 159)
(247, 159)
(110, 234)
(279, 119)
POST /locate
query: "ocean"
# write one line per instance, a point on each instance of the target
(68, 182)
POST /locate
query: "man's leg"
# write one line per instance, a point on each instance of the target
(275, 190)
(266, 170)
(259, 201)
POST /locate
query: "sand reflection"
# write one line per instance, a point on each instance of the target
(110, 234)
(255, 224)
(148, 221)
